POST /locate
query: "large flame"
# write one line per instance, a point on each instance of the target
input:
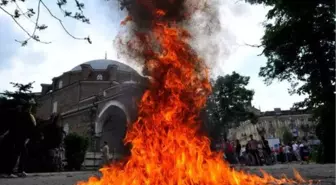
(167, 148)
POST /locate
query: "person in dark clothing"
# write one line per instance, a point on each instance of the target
(24, 131)
(7, 156)
(253, 150)
(229, 152)
(265, 145)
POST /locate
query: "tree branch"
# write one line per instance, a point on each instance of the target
(23, 13)
(22, 28)
(30, 13)
(61, 23)
(255, 46)
(34, 36)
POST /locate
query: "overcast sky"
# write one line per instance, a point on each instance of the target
(40, 62)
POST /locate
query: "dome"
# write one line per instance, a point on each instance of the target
(102, 64)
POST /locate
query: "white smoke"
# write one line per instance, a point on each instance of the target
(210, 27)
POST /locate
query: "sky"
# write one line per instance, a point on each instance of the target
(241, 23)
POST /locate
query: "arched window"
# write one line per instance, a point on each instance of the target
(60, 84)
(66, 128)
(99, 77)
(54, 107)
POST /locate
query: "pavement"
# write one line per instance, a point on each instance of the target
(324, 173)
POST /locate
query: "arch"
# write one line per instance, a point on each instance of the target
(100, 123)
(99, 77)
(60, 84)
(66, 128)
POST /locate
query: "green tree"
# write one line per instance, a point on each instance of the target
(75, 150)
(229, 102)
(34, 14)
(11, 100)
(299, 44)
(287, 136)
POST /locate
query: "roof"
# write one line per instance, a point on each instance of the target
(102, 64)
(285, 112)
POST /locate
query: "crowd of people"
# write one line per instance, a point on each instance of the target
(259, 152)
(294, 151)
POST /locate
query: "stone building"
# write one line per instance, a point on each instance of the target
(272, 124)
(95, 99)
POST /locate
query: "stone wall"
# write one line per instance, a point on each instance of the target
(90, 88)
(78, 123)
(44, 109)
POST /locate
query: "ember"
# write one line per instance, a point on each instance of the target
(167, 148)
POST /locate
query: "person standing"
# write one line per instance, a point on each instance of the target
(287, 153)
(304, 151)
(21, 131)
(25, 134)
(265, 145)
(229, 152)
(105, 153)
(296, 151)
(253, 149)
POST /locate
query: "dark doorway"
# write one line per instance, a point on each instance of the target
(114, 130)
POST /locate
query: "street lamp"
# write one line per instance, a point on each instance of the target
(92, 129)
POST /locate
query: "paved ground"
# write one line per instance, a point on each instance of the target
(325, 173)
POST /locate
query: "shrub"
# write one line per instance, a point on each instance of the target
(287, 136)
(75, 149)
(44, 151)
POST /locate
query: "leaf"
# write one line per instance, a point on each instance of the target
(89, 40)
(67, 13)
(42, 27)
(17, 13)
(4, 2)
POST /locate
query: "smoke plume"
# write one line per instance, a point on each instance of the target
(200, 17)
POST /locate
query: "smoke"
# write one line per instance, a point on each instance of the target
(200, 17)
(205, 26)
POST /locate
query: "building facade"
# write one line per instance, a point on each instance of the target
(272, 124)
(96, 99)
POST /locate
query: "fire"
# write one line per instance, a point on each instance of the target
(167, 147)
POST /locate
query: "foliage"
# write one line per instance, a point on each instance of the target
(75, 150)
(10, 101)
(313, 156)
(34, 14)
(43, 150)
(299, 44)
(228, 105)
(287, 137)
(53, 133)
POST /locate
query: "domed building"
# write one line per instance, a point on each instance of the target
(95, 99)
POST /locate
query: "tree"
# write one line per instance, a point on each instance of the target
(228, 104)
(75, 150)
(299, 44)
(10, 101)
(287, 136)
(34, 14)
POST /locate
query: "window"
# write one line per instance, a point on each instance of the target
(54, 107)
(66, 128)
(99, 77)
(60, 84)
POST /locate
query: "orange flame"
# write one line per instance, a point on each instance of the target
(166, 146)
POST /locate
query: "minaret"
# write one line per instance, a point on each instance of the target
(105, 55)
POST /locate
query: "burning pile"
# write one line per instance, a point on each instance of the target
(167, 148)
